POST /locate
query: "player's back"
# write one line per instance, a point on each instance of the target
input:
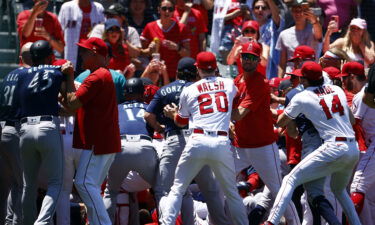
(208, 103)
(38, 89)
(131, 118)
(327, 108)
(8, 110)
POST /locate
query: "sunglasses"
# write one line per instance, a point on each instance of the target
(249, 31)
(248, 56)
(262, 7)
(165, 8)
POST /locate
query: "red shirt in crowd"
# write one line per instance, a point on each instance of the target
(256, 128)
(178, 33)
(203, 12)
(236, 21)
(120, 58)
(50, 23)
(96, 125)
(195, 26)
(86, 23)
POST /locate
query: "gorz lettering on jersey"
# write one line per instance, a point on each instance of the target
(209, 86)
(168, 90)
(323, 91)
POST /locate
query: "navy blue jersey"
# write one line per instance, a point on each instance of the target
(8, 109)
(38, 89)
(166, 95)
(303, 124)
(131, 120)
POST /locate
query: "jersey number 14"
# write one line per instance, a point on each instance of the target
(335, 108)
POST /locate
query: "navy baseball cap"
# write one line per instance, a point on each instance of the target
(116, 9)
(186, 64)
(111, 23)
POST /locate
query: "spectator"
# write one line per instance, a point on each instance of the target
(192, 18)
(117, 11)
(203, 6)
(307, 31)
(167, 37)
(39, 24)
(113, 37)
(139, 14)
(237, 13)
(77, 17)
(356, 42)
(267, 14)
(334, 57)
(153, 71)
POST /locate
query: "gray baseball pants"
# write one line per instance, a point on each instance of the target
(40, 143)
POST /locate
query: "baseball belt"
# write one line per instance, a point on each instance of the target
(35, 119)
(134, 138)
(344, 139)
(201, 131)
(185, 132)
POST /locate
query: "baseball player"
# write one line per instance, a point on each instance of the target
(95, 98)
(257, 146)
(364, 177)
(175, 142)
(206, 106)
(326, 107)
(136, 145)
(40, 139)
(10, 156)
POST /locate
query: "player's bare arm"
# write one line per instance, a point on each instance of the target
(72, 102)
(369, 99)
(151, 120)
(239, 113)
(283, 120)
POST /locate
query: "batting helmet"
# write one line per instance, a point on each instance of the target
(134, 86)
(40, 50)
(186, 70)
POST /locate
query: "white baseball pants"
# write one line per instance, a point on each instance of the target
(266, 161)
(364, 176)
(204, 150)
(336, 158)
(92, 170)
(71, 162)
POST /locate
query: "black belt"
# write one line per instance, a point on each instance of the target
(10, 123)
(177, 132)
(141, 137)
(42, 118)
(344, 139)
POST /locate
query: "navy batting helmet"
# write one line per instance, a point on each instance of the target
(134, 86)
(40, 50)
(186, 70)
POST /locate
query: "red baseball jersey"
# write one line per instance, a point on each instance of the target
(177, 33)
(50, 23)
(195, 26)
(120, 57)
(256, 128)
(96, 124)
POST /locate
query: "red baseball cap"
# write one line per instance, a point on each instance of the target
(332, 72)
(206, 60)
(275, 82)
(95, 44)
(250, 24)
(296, 72)
(303, 52)
(312, 71)
(355, 68)
(252, 47)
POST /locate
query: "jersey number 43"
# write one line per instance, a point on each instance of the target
(206, 105)
(335, 108)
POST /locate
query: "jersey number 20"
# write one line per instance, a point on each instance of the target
(336, 107)
(205, 103)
